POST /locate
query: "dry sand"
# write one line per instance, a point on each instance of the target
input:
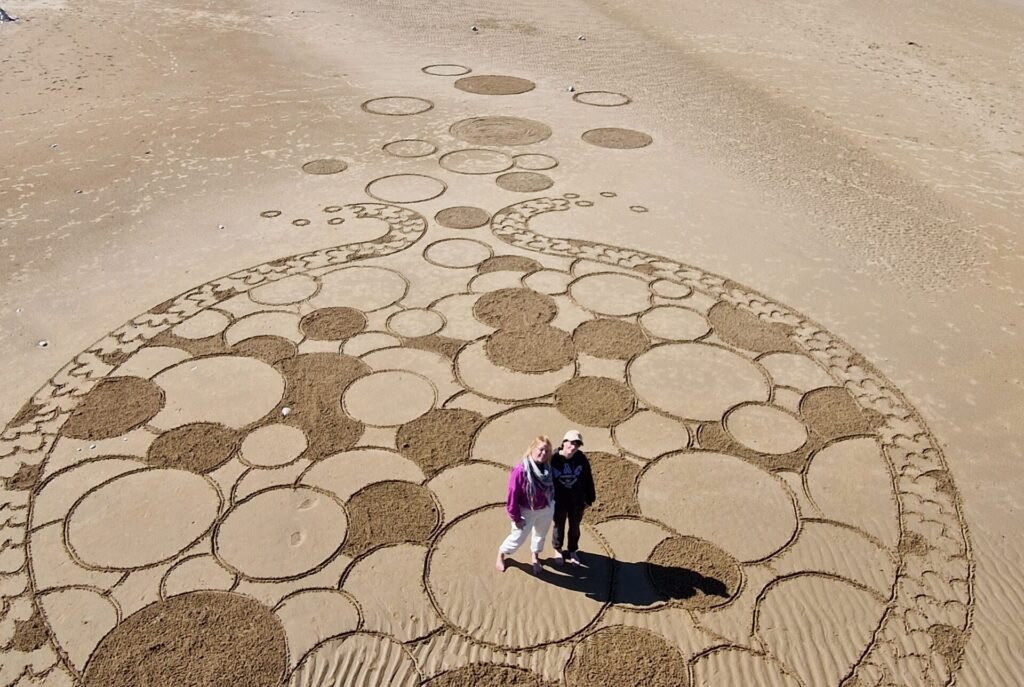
(772, 249)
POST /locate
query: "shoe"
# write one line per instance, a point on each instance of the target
(537, 567)
(558, 559)
(573, 558)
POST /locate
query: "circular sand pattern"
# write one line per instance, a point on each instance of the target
(199, 638)
(508, 263)
(475, 161)
(410, 147)
(462, 217)
(620, 139)
(696, 381)
(602, 98)
(595, 401)
(490, 84)
(439, 439)
(270, 214)
(397, 106)
(325, 166)
(500, 131)
(280, 533)
(536, 162)
(371, 399)
(390, 513)
(674, 324)
(524, 182)
(765, 429)
(406, 188)
(332, 324)
(514, 308)
(608, 293)
(301, 222)
(457, 253)
(113, 407)
(199, 447)
(415, 322)
(626, 657)
(541, 348)
(720, 498)
(694, 573)
(611, 339)
(487, 675)
(141, 518)
(446, 70)
(515, 602)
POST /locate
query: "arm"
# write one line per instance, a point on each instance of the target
(589, 493)
(512, 499)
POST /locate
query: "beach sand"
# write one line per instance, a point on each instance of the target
(286, 291)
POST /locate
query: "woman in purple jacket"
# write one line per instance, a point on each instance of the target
(530, 503)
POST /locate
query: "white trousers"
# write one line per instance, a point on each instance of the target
(536, 520)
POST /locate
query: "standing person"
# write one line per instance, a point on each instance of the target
(574, 492)
(530, 503)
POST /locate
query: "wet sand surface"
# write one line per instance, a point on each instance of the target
(773, 253)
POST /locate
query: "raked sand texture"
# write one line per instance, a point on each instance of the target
(413, 255)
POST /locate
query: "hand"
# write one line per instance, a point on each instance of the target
(519, 524)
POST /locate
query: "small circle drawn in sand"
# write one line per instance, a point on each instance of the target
(446, 70)
(602, 98)
(270, 214)
(410, 147)
(325, 166)
(336, 220)
(462, 217)
(331, 209)
(524, 182)
(535, 162)
(638, 208)
(492, 84)
(475, 161)
(397, 106)
(405, 188)
(301, 222)
(500, 131)
(618, 139)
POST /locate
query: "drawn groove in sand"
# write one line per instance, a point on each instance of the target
(197, 638)
(475, 161)
(602, 98)
(621, 139)
(536, 162)
(626, 657)
(410, 147)
(500, 131)
(445, 70)
(325, 166)
(515, 308)
(199, 447)
(439, 439)
(462, 217)
(406, 188)
(524, 182)
(332, 324)
(390, 513)
(492, 84)
(510, 263)
(397, 106)
(595, 401)
(610, 339)
(113, 407)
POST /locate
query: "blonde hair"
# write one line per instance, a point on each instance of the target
(538, 440)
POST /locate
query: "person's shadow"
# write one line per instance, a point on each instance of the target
(641, 583)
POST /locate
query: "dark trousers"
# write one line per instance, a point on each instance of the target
(573, 512)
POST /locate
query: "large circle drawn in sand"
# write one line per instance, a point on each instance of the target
(198, 638)
(524, 182)
(602, 98)
(765, 428)
(492, 84)
(406, 188)
(446, 70)
(457, 253)
(325, 166)
(696, 381)
(515, 601)
(475, 161)
(462, 217)
(141, 518)
(371, 399)
(500, 131)
(113, 407)
(624, 655)
(535, 162)
(410, 147)
(280, 533)
(620, 139)
(397, 106)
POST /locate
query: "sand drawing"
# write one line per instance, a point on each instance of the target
(319, 446)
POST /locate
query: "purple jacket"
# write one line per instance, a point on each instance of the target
(517, 500)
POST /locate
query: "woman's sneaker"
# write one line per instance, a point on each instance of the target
(573, 558)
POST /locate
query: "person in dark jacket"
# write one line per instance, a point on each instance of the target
(574, 491)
